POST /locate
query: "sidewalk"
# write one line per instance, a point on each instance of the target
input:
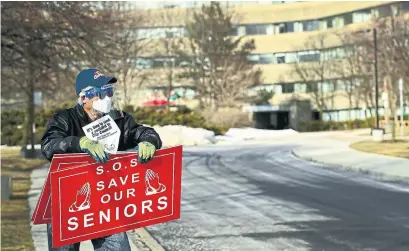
(39, 232)
(334, 149)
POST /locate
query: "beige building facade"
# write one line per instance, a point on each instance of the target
(281, 31)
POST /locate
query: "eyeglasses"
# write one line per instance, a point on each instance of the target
(106, 90)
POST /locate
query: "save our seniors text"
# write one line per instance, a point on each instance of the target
(118, 213)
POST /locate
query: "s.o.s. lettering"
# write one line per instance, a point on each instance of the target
(117, 166)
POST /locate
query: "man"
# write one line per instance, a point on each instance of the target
(64, 134)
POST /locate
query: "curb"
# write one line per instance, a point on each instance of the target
(144, 241)
(376, 175)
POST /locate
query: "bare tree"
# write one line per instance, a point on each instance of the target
(43, 39)
(317, 74)
(393, 58)
(220, 69)
(172, 45)
(353, 70)
(128, 51)
(393, 34)
(392, 49)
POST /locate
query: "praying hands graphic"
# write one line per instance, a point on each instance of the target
(153, 186)
(82, 202)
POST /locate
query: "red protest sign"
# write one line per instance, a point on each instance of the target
(42, 211)
(97, 200)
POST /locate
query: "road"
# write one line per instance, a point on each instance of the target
(263, 198)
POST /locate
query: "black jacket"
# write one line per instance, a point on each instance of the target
(64, 130)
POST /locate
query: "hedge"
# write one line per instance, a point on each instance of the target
(318, 125)
(12, 121)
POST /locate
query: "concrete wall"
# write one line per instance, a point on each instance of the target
(300, 111)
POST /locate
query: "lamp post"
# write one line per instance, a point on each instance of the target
(400, 86)
(376, 76)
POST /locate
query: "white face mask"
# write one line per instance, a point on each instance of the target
(103, 105)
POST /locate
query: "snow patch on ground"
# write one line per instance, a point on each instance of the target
(183, 135)
(236, 134)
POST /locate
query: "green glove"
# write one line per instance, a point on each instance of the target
(146, 151)
(94, 149)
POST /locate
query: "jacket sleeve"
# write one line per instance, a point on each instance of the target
(56, 138)
(139, 133)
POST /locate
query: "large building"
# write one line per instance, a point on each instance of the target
(281, 30)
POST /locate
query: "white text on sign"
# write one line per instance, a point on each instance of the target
(118, 188)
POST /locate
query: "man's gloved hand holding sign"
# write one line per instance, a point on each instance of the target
(94, 149)
(146, 151)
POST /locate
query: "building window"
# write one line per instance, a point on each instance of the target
(290, 57)
(270, 29)
(323, 25)
(300, 88)
(260, 58)
(338, 22)
(267, 87)
(298, 27)
(253, 58)
(175, 32)
(340, 52)
(385, 11)
(347, 18)
(326, 86)
(256, 29)
(288, 87)
(266, 58)
(167, 32)
(311, 25)
(277, 88)
(301, 56)
(312, 87)
(340, 85)
(162, 62)
(329, 22)
(280, 57)
(183, 62)
(234, 31)
(281, 28)
(242, 30)
(290, 26)
(336, 52)
(361, 16)
(309, 56)
(238, 30)
(143, 63)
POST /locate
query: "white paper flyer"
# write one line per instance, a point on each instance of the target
(105, 131)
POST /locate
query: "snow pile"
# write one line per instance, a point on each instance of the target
(237, 134)
(182, 135)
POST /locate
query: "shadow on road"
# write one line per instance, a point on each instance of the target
(360, 213)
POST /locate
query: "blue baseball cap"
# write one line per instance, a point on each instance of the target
(92, 77)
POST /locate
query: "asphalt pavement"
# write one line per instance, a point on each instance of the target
(262, 197)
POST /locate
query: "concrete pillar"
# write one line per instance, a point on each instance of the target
(300, 111)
